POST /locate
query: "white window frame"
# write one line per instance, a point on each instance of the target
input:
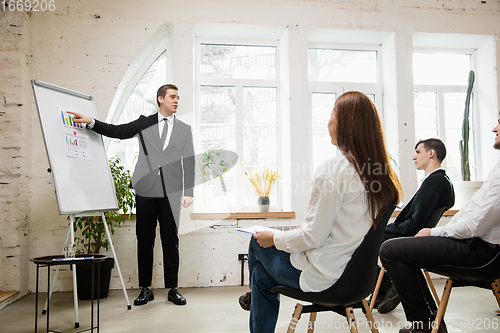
(341, 87)
(440, 90)
(239, 85)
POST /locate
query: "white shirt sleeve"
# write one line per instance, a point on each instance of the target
(478, 219)
(91, 125)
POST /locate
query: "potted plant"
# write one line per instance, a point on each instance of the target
(90, 235)
(263, 182)
(214, 163)
(466, 188)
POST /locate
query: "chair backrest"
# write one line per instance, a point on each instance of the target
(359, 277)
(433, 221)
(471, 275)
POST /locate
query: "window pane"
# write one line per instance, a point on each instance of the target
(142, 100)
(323, 149)
(342, 65)
(260, 127)
(441, 69)
(217, 126)
(260, 139)
(426, 125)
(218, 113)
(238, 62)
(454, 105)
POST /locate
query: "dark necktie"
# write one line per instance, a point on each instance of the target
(163, 136)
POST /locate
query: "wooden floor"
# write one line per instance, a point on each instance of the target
(216, 310)
(4, 295)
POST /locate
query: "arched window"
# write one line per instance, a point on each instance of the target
(136, 93)
(142, 100)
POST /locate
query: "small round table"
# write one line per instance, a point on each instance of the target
(53, 260)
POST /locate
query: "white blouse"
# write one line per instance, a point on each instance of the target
(337, 220)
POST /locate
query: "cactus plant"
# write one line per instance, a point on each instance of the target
(464, 143)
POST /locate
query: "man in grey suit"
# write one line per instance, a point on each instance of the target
(163, 180)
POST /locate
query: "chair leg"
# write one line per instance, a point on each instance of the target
(369, 317)
(431, 285)
(351, 319)
(442, 305)
(495, 286)
(295, 318)
(377, 288)
(312, 322)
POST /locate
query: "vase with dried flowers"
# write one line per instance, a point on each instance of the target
(263, 182)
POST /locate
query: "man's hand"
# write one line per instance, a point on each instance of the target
(264, 238)
(187, 201)
(80, 118)
(424, 232)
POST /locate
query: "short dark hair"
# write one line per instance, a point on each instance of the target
(437, 145)
(162, 91)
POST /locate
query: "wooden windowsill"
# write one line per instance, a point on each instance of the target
(259, 215)
(451, 212)
(243, 216)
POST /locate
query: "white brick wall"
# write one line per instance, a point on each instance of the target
(88, 45)
(15, 148)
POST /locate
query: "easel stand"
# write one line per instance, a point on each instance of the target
(71, 234)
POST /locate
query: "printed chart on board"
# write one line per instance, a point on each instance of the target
(75, 136)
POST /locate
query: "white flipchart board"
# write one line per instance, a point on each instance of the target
(82, 179)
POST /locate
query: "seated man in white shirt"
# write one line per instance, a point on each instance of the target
(471, 238)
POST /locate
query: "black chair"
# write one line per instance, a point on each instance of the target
(433, 221)
(486, 276)
(351, 289)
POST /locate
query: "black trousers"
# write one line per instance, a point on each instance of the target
(403, 258)
(431, 304)
(149, 212)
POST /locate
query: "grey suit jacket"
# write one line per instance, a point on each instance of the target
(176, 162)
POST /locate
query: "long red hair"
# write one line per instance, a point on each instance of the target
(360, 138)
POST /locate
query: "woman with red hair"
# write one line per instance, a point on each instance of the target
(349, 192)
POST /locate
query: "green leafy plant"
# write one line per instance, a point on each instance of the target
(92, 235)
(212, 165)
(464, 143)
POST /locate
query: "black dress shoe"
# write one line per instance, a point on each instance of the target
(145, 296)
(379, 299)
(245, 300)
(175, 297)
(390, 302)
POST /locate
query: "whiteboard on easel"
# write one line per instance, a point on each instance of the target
(82, 179)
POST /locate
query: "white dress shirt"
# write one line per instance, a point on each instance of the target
(480, 216)
(337, 220)
(161, 124)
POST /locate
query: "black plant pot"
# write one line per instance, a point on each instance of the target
(84, 282)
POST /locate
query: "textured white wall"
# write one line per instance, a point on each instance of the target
(15, 148)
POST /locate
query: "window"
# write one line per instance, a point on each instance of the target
(333, 71)
(142, 100)
(237, 110)
(440, 81)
